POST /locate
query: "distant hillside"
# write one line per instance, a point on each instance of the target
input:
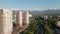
(37, 12)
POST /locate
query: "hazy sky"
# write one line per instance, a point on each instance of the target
(29, 4)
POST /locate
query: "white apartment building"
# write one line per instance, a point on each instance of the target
(19, 18)
(45, 17)
(26, 18)
(5, 21)
(22, 18)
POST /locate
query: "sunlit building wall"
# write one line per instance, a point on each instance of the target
(26, 18)
(19, 18)
(5, 21)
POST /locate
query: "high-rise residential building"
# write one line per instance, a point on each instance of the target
(19, 18)
(22, 18)
(26, 18)
(5, 21)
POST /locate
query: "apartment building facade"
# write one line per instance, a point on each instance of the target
(19, 18)
(22, 18)
(5, 21)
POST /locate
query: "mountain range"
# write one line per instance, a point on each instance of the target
(38, 12)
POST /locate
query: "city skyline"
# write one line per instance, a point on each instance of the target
(30, 4)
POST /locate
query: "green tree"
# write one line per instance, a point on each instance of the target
(32, 32)
(26, 32)
(47, 30)
(33, 27)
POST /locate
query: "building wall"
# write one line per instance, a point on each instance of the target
(26, 18)
(22, 18)
(7, 21)
(19, 18)
(58, 23)
(1, 21)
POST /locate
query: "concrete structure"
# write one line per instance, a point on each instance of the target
(22, 18)
(58, 23)
(26, 18)
(5, 21)
(30, 15)
(19, 18)
(45, 17)
(51, 16)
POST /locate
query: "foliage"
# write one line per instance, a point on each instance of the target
(47, 25)
(47, 30)
(32, 27)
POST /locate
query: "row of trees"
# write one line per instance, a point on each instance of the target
(40, 26)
